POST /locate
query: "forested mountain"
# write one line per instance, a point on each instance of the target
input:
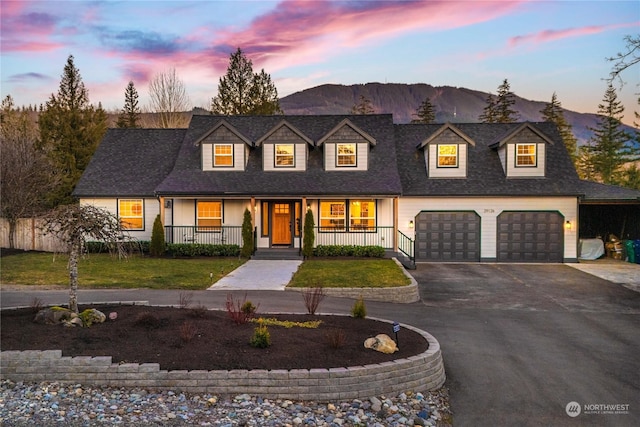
(452, 104)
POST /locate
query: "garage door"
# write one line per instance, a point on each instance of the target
(447, 236)
(530, 237)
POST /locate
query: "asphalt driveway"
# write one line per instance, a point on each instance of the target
(522, 341)
(519, 342)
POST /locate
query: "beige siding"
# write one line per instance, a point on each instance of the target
(300, 156)
(433, 171)
(489, 209)
(525, 172)
(239, 161)
(362, 157)
(151, 210)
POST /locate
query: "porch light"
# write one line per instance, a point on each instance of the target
(567, 225)
(411, 224)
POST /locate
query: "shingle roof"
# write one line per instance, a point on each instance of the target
(381, 178)
(485, 175)
(130, 162)
(596, 192)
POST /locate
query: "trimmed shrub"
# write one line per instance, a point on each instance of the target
(349, 251)
(261, 337)
(309, 235)
(180, 250)
(157, 246)
(247, 235)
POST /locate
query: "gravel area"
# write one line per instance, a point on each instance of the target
(56, 404)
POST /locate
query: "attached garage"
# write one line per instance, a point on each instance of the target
(530, 236)
(447, 236)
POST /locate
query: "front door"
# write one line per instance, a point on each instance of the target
(281, 224)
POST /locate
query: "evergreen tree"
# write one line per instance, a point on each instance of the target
(241, 91)
(610, 145)
(363, 106)
(157, 245)
(309, 237)
(70, 131)
(425, 113)
(504, 103)
(247, 235)
(130, 114)
(552, 112)
(489, 112)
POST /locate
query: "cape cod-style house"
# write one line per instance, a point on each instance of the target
(452, 192)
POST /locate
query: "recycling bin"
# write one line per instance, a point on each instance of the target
(631, 253)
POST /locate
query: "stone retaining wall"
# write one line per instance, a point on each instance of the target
(422, 372)
(399, 294)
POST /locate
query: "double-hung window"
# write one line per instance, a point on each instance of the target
(447, 155)
(209, 215)
(222, 155)
(131, 213)
(284, 155)
(361, 215)
(345, 155)
(525, 155)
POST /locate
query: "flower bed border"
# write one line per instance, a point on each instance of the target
(422, 372)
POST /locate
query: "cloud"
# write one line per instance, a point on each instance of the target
(301, 32)
(547, 36)
(27, 77)
(139, 42)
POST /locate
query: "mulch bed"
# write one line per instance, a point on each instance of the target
(145, 334)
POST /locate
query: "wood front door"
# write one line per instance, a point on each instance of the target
(281, 224)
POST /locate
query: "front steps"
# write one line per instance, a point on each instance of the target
(277, 254)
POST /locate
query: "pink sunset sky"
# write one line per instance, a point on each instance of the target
(541, 47)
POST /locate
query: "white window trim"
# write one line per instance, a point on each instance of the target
(276, 156)
(354, 155)
(519, 156)
(216, 156)
(123, 218)
(438, 155)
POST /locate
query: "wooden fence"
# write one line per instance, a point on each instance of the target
(29, 236)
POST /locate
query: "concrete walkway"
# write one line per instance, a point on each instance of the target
(624, 273)
(259, 275)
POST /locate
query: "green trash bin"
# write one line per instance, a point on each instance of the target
(629, 248)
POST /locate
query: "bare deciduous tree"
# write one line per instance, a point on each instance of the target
(26, 174)
(169, 100)
(73, 224)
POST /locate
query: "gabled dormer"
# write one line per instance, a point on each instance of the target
(223, 148)
(446, 153)
(523, 151)
(284, 148)
(346, 148)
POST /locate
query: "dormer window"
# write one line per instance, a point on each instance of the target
(284, 155)
(346, 155)
(447, 155)
(222, 155)
(525, 155)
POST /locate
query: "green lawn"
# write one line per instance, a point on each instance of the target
(369, 273)
(104, 271)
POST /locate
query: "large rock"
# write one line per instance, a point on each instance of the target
(382, 343)
(56, 315)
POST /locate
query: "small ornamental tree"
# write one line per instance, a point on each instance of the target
(73, 225)
(157, 246)
(247, 235)
(309, 235)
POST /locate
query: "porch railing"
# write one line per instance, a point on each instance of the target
(373, 236)
(224, 235)
(406, 245)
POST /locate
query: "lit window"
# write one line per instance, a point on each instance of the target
(131, 214)
(332, 215)
(525, 154)
(447, 155)
(209, 216)
(284, 155)
(362, 215)
(222, 155)
(346, 155)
